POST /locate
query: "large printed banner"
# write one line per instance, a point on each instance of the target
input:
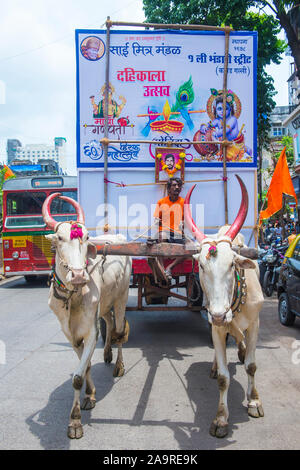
(165, 86)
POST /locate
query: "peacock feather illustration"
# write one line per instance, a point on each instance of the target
(184, 97)
(152, 116)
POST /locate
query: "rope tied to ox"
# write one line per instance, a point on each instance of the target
(213, 251)
(240, 286)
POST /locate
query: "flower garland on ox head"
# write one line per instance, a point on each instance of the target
(176, 168)
(76, 231)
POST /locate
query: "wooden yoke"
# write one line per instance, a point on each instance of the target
(167, 250)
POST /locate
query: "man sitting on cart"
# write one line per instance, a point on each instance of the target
(168, 215)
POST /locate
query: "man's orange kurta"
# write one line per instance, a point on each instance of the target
(281, 183)
(170, 214)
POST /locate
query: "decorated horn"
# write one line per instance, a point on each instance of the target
(48, 219)
(78, 208)
(242, 214)
(188, 219)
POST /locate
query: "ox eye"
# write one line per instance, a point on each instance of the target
(60, 238)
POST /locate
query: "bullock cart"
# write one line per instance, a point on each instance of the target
(151, 261)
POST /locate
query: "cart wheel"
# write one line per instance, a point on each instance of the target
(103, 329)
(30, 278)
(150, 297)
(196, 295)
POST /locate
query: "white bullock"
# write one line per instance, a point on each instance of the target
(219, 271)
(83, 287)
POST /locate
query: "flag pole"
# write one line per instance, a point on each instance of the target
(257, 221)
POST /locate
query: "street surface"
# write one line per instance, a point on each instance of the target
(165, 400)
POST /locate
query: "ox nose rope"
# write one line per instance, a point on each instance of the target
(58, 285)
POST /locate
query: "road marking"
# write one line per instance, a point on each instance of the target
(13, 278)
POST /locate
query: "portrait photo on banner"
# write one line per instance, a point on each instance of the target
(169, 163)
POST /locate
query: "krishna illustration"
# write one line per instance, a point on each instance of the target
(214, 129)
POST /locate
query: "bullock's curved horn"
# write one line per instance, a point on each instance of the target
(48, 219)
(242, 214)
(188, 219)
(78, 208)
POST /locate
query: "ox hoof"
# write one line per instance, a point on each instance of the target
(75, 431)
(217, 430)
(255, 411)
(119, 370)
(77, 382)
(88, 403)
(108, 356)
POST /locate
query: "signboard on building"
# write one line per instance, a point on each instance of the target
(165, 86)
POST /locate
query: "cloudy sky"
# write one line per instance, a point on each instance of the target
(37, 66)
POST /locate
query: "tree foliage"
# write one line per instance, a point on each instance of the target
(281, 10)
(287, 142)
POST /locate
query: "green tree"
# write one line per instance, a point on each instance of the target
(282, 9)
(286, 141)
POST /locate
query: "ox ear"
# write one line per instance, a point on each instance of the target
(92, 251)
(52, 237)
(244, 263)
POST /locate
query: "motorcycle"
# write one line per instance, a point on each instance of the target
(262, 264)
(273, 259)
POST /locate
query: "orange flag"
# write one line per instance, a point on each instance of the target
(281, 183)
(8, 172)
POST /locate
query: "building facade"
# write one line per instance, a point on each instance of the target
(11, 149)
(37, 152)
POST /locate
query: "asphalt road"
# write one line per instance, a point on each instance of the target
(165, 400)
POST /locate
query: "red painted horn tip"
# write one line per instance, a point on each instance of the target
(189, 193)
(242, 214)
(239, 178)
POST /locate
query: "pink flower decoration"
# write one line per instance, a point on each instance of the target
(212, 250)
(76, 231)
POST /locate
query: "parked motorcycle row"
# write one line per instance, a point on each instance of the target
(270, 258)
